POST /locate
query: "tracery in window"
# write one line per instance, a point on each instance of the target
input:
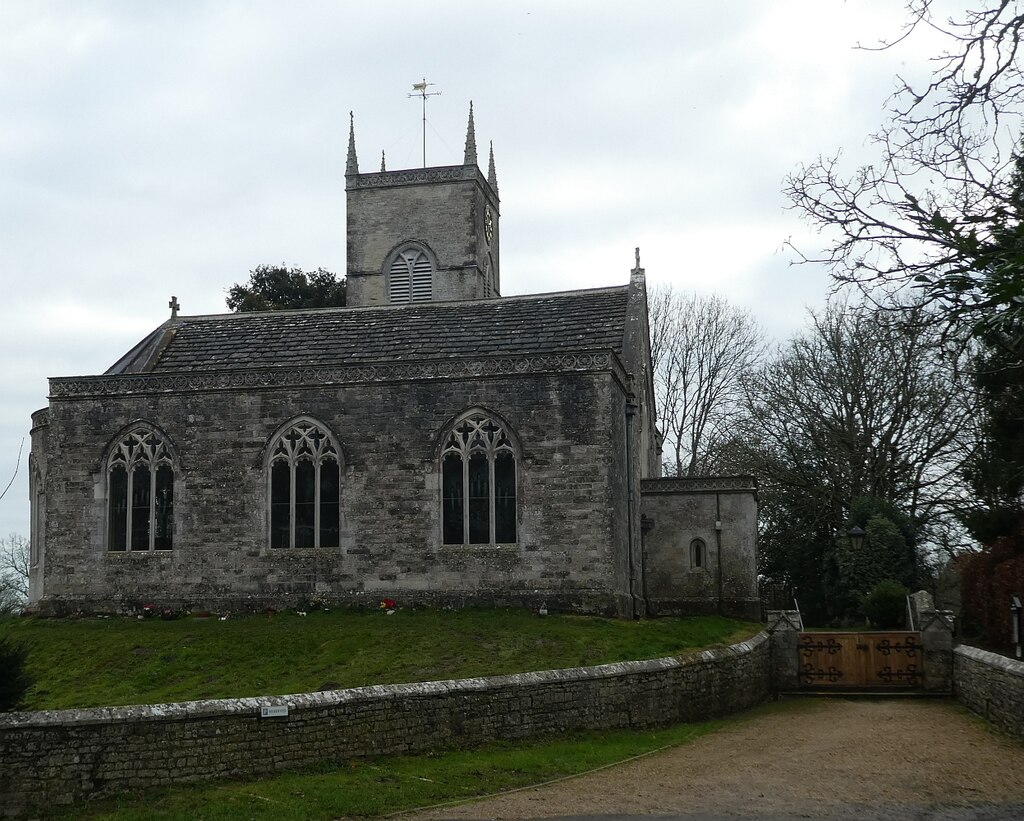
(698, 553)
(410, 278)
(478, 479)
(305, 488)
(140, 491)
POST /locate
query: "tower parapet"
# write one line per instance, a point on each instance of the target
(422, 234)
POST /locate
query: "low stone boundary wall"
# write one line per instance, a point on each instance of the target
(58, 757)
(990, 685)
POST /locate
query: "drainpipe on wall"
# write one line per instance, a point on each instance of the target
(718, 547)
(631, 408)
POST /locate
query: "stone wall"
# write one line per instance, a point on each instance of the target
(571, 528)
(720, 512)
(53, 758)
(992, 686)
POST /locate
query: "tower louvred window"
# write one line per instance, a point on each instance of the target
(140, 493)
(411, 277)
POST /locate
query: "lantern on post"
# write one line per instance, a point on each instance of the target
(856, 535)
(1015, 626)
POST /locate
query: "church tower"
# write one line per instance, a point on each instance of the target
(422, 235)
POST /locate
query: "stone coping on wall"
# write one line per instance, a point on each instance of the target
(991, 685)
(699, 484)
(216, 708)
(1004, 663)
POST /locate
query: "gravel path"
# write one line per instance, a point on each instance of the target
(835, 758)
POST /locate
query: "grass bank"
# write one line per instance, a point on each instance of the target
(93, 662)
(372, 788)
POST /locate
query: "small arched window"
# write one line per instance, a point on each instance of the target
(478, 477)
(140, 490)
(411, 276)
(37, 511)
(305, 487)
(698, 554)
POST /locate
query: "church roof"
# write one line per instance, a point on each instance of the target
(589, 320)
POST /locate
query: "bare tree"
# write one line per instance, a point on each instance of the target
(701, 348)
(14, 567)
(935, 208)
(867, 403)
(17, 465)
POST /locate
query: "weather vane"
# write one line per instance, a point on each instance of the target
(420, 90)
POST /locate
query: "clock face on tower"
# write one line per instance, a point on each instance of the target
(488, 224)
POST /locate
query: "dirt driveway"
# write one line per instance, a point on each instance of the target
(837, 758)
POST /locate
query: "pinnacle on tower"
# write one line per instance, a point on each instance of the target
(470, 139)
(352, 165)
(492, 178)
(382, 168)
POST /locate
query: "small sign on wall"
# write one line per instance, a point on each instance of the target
(274, 712)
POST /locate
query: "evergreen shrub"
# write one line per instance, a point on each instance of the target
(885, 605)
(14, 681)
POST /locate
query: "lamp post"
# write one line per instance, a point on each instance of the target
(856, 535)
(1015, 614)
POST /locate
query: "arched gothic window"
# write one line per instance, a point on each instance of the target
(305, 487)
(410, 278)
(698, 554)
(478, 477)
(37, 509)
(140, 490)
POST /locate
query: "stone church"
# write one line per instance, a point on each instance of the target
(434, 443)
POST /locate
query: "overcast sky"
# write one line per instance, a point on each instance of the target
(155, 148)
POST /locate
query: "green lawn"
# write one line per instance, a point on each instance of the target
(109, 661)
(381, 786)
(376, 787)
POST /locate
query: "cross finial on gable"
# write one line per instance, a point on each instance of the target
(173, 305)
(637, 269)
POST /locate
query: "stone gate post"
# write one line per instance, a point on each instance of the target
(784, 627)
(937, 640)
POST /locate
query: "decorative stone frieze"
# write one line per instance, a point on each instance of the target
(698, 484)
(414, 176)
(86, 386)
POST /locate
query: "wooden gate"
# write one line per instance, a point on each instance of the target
(861, 660)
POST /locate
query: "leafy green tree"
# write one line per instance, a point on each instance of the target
(995, 468)
(886, 552)
(278, 287)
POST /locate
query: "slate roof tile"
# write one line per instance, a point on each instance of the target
(514, 326)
